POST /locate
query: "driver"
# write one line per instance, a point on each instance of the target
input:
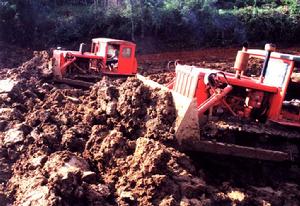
(112, 57)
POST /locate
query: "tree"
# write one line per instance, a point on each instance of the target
(132, 6)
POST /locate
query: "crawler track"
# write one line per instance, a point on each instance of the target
(255, 135)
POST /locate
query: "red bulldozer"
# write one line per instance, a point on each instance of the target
(231, 113)
(107, 56)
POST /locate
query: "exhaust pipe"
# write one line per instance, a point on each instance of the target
(269, 48)
(81, 47)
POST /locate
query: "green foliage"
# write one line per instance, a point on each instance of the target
(189, 22)
(7, 14)
(293, 5)
(17, 21)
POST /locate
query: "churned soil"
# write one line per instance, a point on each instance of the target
(112, 144)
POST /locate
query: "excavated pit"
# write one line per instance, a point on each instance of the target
(113, 144)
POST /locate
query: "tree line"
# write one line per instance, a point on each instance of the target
(192, 22)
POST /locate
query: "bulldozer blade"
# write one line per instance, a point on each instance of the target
(150, 83)
(186, 124)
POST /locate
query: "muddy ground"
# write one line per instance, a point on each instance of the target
(12, 56)
(113, 144)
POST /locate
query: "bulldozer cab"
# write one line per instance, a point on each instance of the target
(290, 110)
(282, 73)
(118, 56)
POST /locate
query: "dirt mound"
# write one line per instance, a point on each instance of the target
(107, 144)
(159, 175)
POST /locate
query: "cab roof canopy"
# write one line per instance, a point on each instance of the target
(112, 41)
(291, 57)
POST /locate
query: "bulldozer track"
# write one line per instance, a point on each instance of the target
(270, 136)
